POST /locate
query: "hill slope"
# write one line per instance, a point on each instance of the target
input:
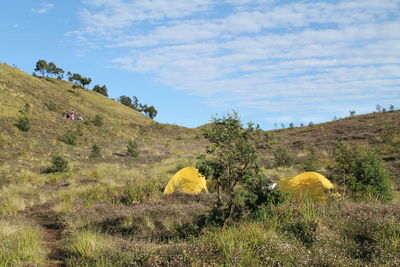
(48, 99)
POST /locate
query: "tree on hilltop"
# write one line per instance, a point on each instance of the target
(78, 79)
(125, 100)
(100, 89)
(47, 69)
(150, 112)
(42, 67)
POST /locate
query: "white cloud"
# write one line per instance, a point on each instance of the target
(43, 8)
(258, 54)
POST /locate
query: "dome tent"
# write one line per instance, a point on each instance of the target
(311, 185)
(187, 180)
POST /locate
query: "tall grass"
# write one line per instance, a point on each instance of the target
(21, 244)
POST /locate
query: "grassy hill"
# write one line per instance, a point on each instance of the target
(110, 210)
(48, 99)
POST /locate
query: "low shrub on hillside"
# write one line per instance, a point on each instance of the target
(283, 158)
(96, 151)
(59, 164)
(70, 138)
(132, 149)
(136, 192)
(98, 120)
(362, 172)
(23, 124)
(311, 163)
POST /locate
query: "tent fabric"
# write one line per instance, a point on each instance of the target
(187, 180)
(311, 185)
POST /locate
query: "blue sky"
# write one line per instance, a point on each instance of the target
(272, 61)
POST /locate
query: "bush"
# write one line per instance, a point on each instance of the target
(98, 120)
(70, 138)
(132, 149)
(388, 134)
(231, 164)
(59, 164)
(96, 151)
(362, 172)
(282, 157)
(23, 124)
(311, 163)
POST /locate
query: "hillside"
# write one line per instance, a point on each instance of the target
(48, 99)
(110, 210)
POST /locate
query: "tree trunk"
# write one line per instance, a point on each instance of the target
(228, 217)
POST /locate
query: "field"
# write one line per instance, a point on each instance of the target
(110, 210)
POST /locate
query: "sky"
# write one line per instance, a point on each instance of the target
(274, 62)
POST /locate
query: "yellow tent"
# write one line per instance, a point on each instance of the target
(187, 180)
(311, 185)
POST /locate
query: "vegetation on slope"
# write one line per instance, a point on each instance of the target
(109, 210)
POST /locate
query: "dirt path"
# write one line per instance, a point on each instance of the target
(53, 228)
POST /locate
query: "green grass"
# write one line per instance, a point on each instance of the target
(21, 244)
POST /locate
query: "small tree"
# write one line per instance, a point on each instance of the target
(231, 164)
(74, 77)
(291, 125)
(70, 138)
(132, 149)
(135, 104)
(42, 67)
(283, 158)
(78, 79)
(100, 89)
(352, 113)
(96, 151)
(150, 112)
(125, 100)
(362, 172)
(85, 81)
(378, 108)
(391, 107)
(55, 71)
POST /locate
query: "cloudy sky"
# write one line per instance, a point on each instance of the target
(273, 61)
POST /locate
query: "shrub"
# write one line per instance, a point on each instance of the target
(282, 157)
(70, 138)
(311, 163)
(23, 124)
(96, 151)
(231, 162)
(388, 134)
(98, 120)
(132, 149)
(362, 172)
(59, 164)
